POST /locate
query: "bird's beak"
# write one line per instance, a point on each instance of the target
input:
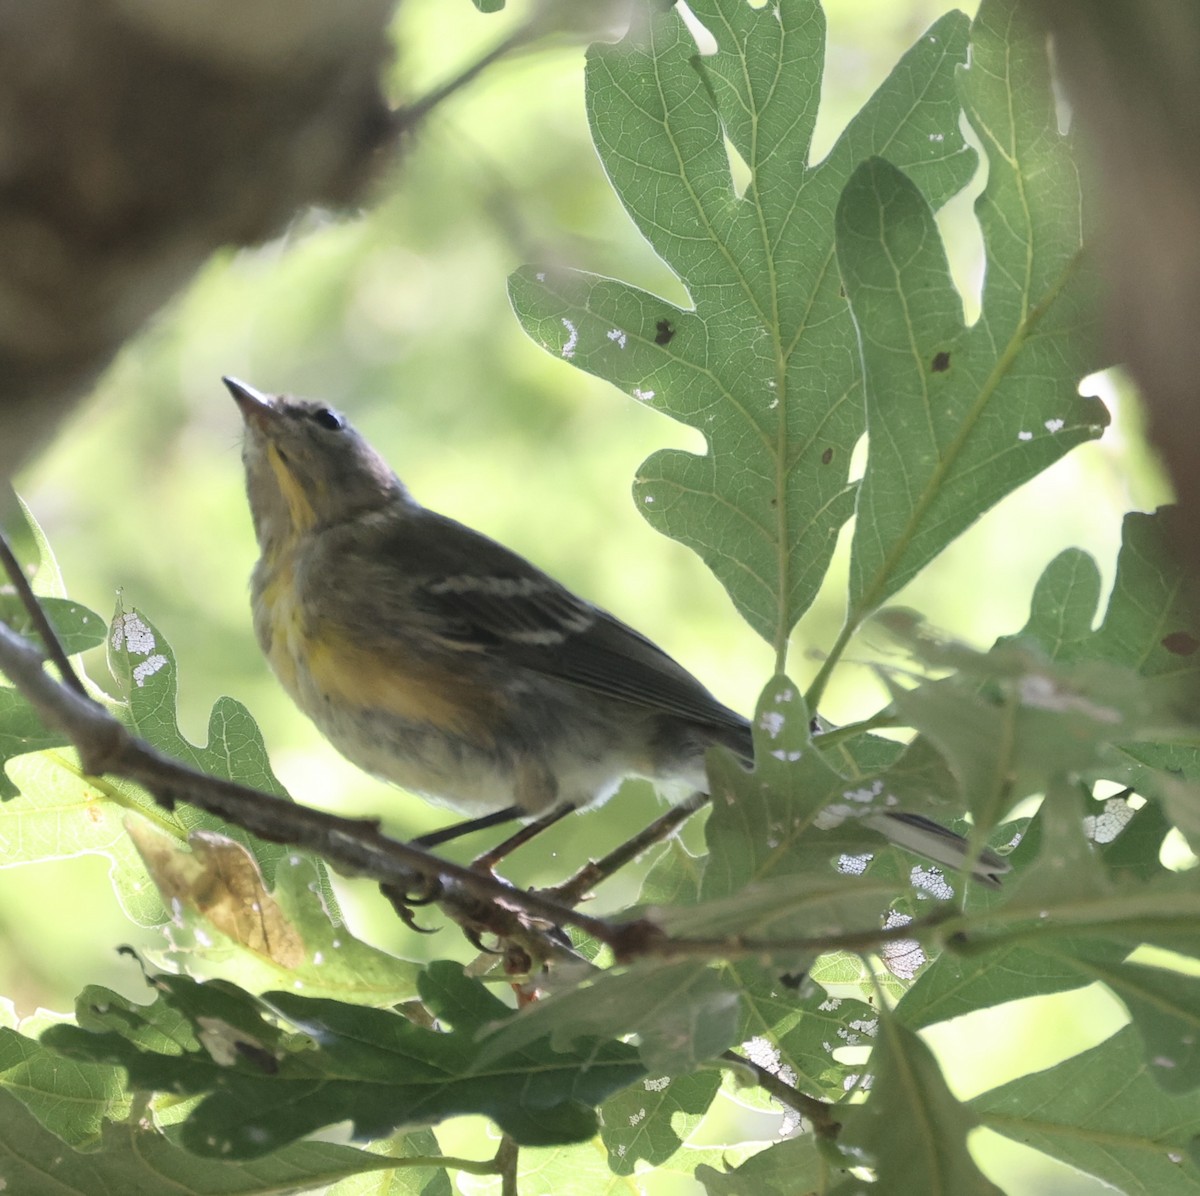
(256, 407)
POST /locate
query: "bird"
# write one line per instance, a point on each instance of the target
(436, 658)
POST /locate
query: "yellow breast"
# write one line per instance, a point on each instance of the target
(325, 671)
(278, 625)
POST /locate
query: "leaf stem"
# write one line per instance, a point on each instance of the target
(50, 640)
(505, 1165)
(450, 1163)
(817, 689)
(882, 718)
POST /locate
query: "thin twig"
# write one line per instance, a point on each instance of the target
(479, 901)
(505, 1163)
(41, 623)
(411, 114)
(643, 937)
(882, 718)
(575, 888)
(819, 1112)
(357, 845)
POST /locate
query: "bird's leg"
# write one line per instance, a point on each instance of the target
(576, 888)
(489, 859)
(446, 834)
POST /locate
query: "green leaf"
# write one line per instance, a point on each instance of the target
(1010, 721)
(785, 1169)
(31, 547)
(162, 1027)
(59, 814)
(765, 364)
(765, 823)
(1165, 1007)
(21, 730)
(823, 905)
(133, 1159)
(682, 1013)
(70, 1098)
(648, 1122)
(771, 871)
(144, 666)
(76, 627)
(957, 984)
(1116, 703)
(266, 1087)
(958, 417)
(951, 410)
(792, 1026)
(405, 1178)
(1063, 607)
(911, 1128)
(1103, 1113)
(1148, 624)
(332, 961)
(1148, 627)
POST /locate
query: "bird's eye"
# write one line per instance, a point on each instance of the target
(330, 420)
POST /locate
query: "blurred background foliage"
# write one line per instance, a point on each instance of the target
(398, 315)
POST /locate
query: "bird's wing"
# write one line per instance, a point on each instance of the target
(504, 606)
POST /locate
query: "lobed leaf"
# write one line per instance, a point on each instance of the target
(1103, 1113)
(265, 1086)
(957, 416)
(682, 1013)
(911, 1128)
(134, 1159)
(764, 364)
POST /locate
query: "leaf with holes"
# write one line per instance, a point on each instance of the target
(958, 417)
(911, 1128)
(765, 364)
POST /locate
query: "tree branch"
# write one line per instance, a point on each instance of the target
(356, 846)
(819, 1112)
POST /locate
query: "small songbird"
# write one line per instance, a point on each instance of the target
(436, 658)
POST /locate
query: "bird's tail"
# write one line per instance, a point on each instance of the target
(935, 842)
(914, 832)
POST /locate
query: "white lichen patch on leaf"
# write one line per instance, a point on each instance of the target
(772, 722)
(931, 881)
(854, 865)
(902, 957)
(568, 349)
(759, 1050)
(1105, 827)
(132, 635)
(148, 668)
